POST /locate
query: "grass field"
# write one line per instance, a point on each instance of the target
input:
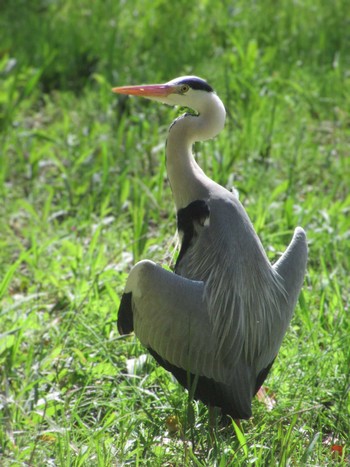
(84, 196)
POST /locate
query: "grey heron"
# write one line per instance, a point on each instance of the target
(216, 322)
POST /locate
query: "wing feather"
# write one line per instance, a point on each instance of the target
(242, 290)
(222, 316)
(170, 316)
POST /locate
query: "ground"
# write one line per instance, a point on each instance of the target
(84, 195)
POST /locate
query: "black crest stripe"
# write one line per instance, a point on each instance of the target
(197, 84)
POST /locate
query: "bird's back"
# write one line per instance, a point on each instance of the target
(250, 304)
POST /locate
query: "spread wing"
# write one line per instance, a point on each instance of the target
(170, 317)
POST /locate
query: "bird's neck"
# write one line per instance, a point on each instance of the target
(188, 181)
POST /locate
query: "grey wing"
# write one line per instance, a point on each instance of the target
(290, 268)
(243, 287)
(169, 316)
(292, 265)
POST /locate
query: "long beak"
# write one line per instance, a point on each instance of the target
(150, 91)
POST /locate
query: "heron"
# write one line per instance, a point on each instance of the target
(217, 321)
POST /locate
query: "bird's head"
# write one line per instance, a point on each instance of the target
(186, 91)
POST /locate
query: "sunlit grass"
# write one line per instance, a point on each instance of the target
(84, 196)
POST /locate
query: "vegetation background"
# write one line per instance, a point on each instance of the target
(84, 196)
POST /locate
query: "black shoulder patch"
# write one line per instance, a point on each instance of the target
(197, 211)
(125, 321)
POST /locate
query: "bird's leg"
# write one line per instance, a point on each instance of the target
(212, 420)
(238, 423)
(211, 416)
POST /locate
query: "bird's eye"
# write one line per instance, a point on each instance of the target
(184, 88)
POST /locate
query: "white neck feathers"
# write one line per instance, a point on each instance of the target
(187, 180)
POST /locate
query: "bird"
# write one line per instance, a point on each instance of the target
(217, 321)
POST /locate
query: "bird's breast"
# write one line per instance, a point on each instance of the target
(190, 220)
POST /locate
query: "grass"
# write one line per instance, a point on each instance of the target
(84, 196)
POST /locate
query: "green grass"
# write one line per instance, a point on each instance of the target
(84, 196)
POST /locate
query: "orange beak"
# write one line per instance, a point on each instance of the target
(150, 90)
